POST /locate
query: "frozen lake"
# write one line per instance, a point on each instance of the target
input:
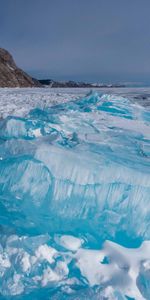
(16, 101)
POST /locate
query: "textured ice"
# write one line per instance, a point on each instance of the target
(74, 197)
(29, 263)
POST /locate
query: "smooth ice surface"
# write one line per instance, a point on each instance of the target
(74, 194)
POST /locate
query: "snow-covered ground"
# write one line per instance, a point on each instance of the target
(16, 101)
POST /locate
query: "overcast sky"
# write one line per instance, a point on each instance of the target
(97, 40)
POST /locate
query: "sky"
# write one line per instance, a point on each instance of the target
(90, 40)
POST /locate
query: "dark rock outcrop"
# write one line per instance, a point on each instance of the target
(11, 75)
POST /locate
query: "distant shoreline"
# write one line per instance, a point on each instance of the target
(76, 84)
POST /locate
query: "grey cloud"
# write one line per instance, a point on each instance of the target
(81, 39)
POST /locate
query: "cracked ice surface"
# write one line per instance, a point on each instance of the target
(74, 195)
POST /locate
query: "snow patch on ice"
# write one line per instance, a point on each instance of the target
(117, 270)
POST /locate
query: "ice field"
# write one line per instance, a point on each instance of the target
(75, 194)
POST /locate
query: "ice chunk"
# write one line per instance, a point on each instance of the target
(70, 242)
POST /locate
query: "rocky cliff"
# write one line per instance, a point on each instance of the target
(11, 75)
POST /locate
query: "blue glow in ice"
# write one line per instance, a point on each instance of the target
(72, 177)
